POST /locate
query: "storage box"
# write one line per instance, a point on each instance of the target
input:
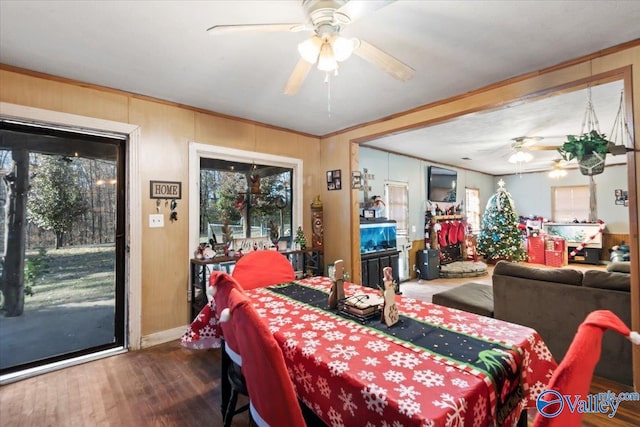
(556, 244)
(535, 249)
(554, 258)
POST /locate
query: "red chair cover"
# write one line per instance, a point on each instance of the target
(273, 401)
(262, 268)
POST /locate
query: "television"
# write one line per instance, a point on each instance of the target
(442, 184)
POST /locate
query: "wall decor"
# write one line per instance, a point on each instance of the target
(165, 190)
(356, 180)
(334, 179)
(622, 197)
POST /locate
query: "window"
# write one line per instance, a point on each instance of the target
(570, 203)
(254, 200)
(472, 203)
(398, 206)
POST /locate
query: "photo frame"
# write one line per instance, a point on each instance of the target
(621, 197)
(356, 180)
(334, 179)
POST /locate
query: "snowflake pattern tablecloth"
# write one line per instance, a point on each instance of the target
(355, 374)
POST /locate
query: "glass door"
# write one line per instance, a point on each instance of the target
(62, 214)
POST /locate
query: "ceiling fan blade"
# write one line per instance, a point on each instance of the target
(616, 150)
(297, 77)
(221, 29)
(356, 9)
(383, 60)
(542, 147)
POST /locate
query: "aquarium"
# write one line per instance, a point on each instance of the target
(377, 236)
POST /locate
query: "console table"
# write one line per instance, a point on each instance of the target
(305, 262)
(576, 234)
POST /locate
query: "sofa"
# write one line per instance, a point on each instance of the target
(554, 302)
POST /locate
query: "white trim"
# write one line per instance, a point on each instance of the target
(198, 150)
(233, 355)
(66, 363)
(133, 265)
(260, 422)
(163, 336)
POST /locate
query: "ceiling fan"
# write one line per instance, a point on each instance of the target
(326, 18)
(529, 143)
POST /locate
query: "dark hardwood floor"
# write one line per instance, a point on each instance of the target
(165, 385)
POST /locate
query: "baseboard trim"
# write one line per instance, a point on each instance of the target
(162, 336)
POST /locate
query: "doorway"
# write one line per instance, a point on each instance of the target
(62, 223)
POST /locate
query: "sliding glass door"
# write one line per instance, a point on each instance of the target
(62, 214)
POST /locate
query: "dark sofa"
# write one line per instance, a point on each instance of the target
(555, 301)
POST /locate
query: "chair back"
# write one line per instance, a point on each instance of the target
(574, 374)
(272, 397)
(262, 268)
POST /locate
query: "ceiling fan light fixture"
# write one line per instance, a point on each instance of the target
(520, 157)
(309, 49)
(342, 48)
(327, 60)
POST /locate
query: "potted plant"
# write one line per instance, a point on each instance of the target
(589, 149)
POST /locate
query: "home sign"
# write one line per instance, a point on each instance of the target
(165, 190)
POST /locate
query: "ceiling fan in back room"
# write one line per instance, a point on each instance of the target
(327, 47)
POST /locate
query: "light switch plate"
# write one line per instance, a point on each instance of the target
(156, 220)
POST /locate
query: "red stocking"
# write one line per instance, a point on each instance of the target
(462, 226)
(453, 233)
(443, 234)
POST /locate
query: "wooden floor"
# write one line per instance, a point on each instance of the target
(165, 385)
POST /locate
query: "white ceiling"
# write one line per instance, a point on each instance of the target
(161, 49)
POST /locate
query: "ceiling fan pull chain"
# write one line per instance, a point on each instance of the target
(327, 80)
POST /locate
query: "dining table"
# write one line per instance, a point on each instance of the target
(437, 366)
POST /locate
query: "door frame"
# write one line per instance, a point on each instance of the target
(133, 206)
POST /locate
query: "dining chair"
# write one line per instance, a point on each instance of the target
(251, 346)
(574, 374)
(262, 268)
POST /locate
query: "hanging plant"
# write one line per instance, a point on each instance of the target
(579, 146)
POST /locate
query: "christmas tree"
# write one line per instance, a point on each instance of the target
(300, 239)
(499, 235)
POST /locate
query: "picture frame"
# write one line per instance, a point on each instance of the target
(334, 179)
(356, 180)
(621, 197)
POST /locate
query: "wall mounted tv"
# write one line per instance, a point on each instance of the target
(442, 184)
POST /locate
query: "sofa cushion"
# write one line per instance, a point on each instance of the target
(619, 267)
(471, 297)
(560, 275)
(606, 280)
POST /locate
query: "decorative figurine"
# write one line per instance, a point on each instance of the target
(300, 239)
(337, 288)
(317, 224)
(390, 315)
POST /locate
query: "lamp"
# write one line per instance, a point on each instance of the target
(520, 157)
(326, 51)
(326, 59)
(557, 171)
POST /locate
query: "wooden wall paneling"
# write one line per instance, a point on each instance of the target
(166, 131)
(611, 239)
(62, 97)
(210, 129)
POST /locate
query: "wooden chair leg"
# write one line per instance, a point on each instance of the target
(231, 408)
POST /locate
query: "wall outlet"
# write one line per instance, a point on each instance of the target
(156, 220)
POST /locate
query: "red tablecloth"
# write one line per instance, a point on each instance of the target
(352, 374)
